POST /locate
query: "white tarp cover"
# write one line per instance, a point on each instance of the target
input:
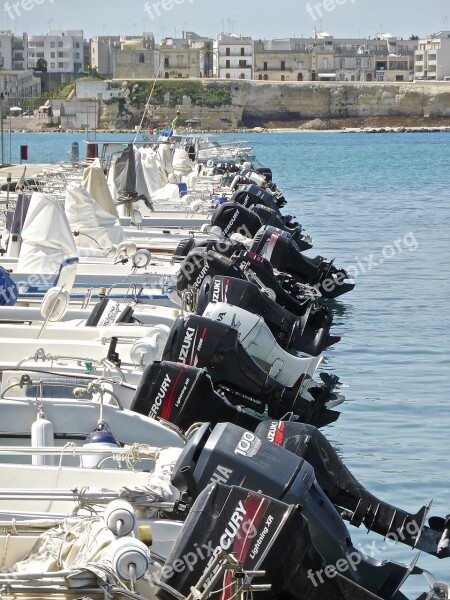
(87, 217)
(165, 158)
(155, 178)
(181, 162)
(94, 181)
(47, 239)
(141, 183)
(168, 192)
(76, 542)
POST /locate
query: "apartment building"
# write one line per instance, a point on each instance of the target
(6, 56)
(135, 59)
(233, 57)
(17, 85)
(183, 57)
(432, 58)
(62, 50)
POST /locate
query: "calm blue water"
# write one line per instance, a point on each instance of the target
(374, 197)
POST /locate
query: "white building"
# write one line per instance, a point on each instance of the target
(233, 57)
(18, 85)
(62, 50)
(6, 43)
(432, 58)
(99, 90)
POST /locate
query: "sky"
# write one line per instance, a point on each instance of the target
(261, 19)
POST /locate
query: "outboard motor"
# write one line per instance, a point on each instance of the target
(200, 342)
(225, 247)
(199, 265)
(234, 218)
(266, 173)
(258, 341)
(252, 194)
(183, 396)
(308, 333)
(230, 455)
(285, 255)
(354, 502)
(264, 535)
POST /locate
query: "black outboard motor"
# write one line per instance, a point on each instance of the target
(285, 255)
(234, 218)
(308, 333)
(200, 342)
(183, 396)
(199, 265)
(224, 247)
(252, 194)
(264, 535)
(355, 503)
(230, 455)
(266, 173)
(271, 217)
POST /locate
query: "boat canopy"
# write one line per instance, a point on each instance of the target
(98, 228)
(94, 181)
(47, 239)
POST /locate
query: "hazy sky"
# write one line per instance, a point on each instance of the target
(258, 18)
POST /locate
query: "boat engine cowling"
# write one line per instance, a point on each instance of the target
(257, 530)
(284, 254)
(252, 194)
(200, 342)
(309, 333)
(232, 456)
(348, 494)
(234, 218)
(256, 337)
(184, 395)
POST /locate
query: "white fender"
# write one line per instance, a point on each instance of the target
(55, 304)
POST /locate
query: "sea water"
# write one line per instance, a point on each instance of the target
(379, 205)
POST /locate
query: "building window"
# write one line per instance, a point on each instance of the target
(358, 63)
(242, 63)
(242, 75)
(52, 55)
(228, 64)
(167, 62)
(60, 44)
(266, 66)
(228, 52)
(52, 66)
(283, 78)
(77, 45)
(228, 76)
(260, 77)
(283, 65)
(52, 45)
(141, 58)
(266, 78)
(60, 54)
(60, 65)
(242, 51)
(342, 63)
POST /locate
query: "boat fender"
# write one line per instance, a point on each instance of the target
(196, 206)
(101, 437)
(119, 517)
(42, 435)
(129, 555)
(150, 348)
(55, 304)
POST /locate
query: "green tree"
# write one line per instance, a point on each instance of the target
(208, 53)
(41, 65)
